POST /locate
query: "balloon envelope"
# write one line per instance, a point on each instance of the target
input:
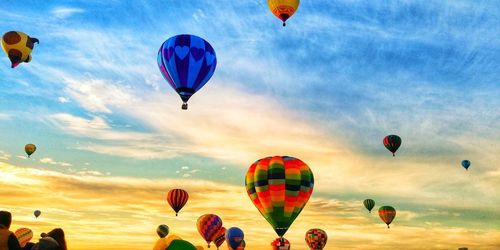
(162, 230)
(466, 164)
(180, 245)
(23, 235)
(37, 213)
(387, 214)
(177, 198)
(29, 149)
(208, 226)
(220, 237)
(279, 187)
(234, 237)
(18, 46)
(280, 244)
(316, 238)
(187, 62)
(392, 143)
(283, 9)
(369, 204)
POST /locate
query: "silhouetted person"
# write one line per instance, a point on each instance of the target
(28, 246)
(58, 235)
(8, 240)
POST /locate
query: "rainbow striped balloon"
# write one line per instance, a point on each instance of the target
(23, 235)
(208, 226)
(279, 187)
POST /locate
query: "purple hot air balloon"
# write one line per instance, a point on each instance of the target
(187, 62)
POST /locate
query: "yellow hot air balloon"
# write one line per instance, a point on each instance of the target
(18, 47)
(283, 9)
(164, 243)
(30, 149)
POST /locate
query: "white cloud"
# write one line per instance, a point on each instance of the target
(62, 99)
(65, 12)
(4, 116)
(184, 167)
(4, 156)
(50, 161)
(186, 175)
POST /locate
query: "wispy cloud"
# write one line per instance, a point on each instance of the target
(65, 12)
(47, 160)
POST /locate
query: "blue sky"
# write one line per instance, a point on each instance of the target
(327, 89)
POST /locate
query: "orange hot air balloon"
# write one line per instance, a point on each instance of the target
(283, 9)
(177, 198)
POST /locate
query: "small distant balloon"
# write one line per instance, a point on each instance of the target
(392, 143)
(234, 237)
(283, 9)
(369, 204)
(177, 198)
(23, 235)
(162, 230)
(37, 213)
(466, 164)
(18, 46)
(29, 149)
(280, 243)
(316, 238)
(387, 214)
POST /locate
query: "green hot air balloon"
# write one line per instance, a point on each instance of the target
(279, 187)
(180, 245)
(369, 204)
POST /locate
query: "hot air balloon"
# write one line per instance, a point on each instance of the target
(208, 226)
(37, 213)
(387, 214)
(466, 164)
(279, 187)
(234, 237)
(162, 230)
(23, 235)
(18, 47)
(180, 245)
(283, 9)
(199, 248)
(187, 62)
(177, 198)
(369, 204)
(280, 243)
(163, 243)
(29, 149)
(392, 143)
(220, 237)
(316, 239)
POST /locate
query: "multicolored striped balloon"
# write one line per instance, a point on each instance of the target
(208, 226)
(387, 214)
(220, 237)
(280, 243)
(369, 204)
(23, 235)
(187, 62)
(279, 187)
(316, 239)
(177, 198)
(392, 143)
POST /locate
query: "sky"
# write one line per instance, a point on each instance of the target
(112, 139)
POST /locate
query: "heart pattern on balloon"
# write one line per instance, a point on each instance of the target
(197, 53)
(181, 51)
(210, 58)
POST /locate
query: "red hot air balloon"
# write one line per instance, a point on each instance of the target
(220, 237)
(177, 198)
(316, 239)
(387, 214)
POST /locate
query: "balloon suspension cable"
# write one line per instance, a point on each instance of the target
(184, 106)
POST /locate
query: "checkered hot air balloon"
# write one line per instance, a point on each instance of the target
(208, 226)
(316, 239)
(387, 214)
(187, 62)
(280, 243)
(279, 187)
